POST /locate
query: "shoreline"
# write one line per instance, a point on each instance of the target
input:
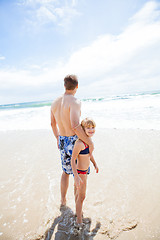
(98, 129)
(123, 197)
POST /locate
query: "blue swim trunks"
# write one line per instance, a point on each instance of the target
(66, 145)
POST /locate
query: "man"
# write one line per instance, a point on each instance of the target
(65, 122)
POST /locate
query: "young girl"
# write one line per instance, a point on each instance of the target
(80, 162)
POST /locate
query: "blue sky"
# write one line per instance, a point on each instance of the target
(113, 46)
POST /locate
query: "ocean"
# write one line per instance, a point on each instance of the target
(129, 111)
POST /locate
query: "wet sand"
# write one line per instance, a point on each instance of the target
(122, 199)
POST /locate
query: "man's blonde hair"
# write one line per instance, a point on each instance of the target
(88, 122)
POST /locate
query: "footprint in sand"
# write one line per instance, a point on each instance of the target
(114, 227)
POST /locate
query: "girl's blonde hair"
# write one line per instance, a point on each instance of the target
(88, 122)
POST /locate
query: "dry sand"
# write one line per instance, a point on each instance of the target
(123, 199)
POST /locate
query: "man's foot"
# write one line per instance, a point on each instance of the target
(63, 207)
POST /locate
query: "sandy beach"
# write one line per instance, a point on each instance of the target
(122, 199)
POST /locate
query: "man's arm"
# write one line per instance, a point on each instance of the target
(75, 113)
(54, 126)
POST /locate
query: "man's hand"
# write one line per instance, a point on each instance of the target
(57, 141)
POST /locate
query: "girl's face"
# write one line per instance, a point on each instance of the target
(90, 131)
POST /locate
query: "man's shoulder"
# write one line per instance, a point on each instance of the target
(75, 101)
(56, 103)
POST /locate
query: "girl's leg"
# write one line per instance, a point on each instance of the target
(75, 193)
(80, 196)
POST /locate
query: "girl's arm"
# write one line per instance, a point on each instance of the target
(94, 163)
(77, 148)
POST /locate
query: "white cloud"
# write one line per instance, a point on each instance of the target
(33, 3)
(108, 52)
(57, 12)
(44, 15)
(148, 13)
(2, 58)
(24, 78)
(123, 63)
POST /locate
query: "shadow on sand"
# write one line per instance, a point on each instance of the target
(65, 227)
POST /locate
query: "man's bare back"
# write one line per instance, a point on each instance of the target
(63, 109)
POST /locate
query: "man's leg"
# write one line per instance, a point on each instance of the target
(64, 187)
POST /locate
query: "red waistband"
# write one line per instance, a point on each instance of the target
(82, 171)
